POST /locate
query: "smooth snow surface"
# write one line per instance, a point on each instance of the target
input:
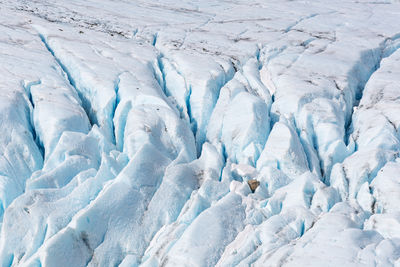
(131, 130)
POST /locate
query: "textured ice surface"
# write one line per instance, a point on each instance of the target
(131, 130)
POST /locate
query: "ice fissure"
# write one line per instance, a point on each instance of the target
(71, 81)
(35, 136)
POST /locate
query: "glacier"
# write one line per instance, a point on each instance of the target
(199, 133)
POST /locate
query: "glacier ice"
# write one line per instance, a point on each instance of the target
(130, 132)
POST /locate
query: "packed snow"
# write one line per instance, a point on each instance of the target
(199, 133)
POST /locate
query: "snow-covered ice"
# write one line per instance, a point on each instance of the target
(131, 132)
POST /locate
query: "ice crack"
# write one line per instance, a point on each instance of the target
(85, 102)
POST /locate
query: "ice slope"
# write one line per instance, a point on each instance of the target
(130, 132)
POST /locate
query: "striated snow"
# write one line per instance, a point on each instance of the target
(131, 131)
